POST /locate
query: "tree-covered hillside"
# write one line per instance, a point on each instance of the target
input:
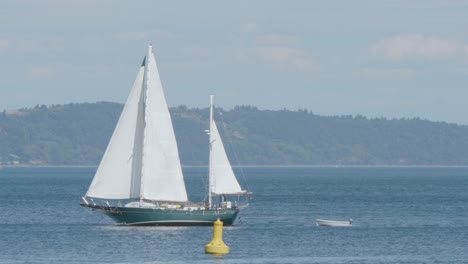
(72, 134)
(77, 134)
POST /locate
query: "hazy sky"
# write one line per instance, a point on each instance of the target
(375, 58)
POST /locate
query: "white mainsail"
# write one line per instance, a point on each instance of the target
(142, 159)
(221, 176)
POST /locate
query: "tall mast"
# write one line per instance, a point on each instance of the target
(210, 177)
(145, 89)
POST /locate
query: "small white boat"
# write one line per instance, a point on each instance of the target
(323, 222)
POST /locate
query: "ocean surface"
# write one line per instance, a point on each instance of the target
(400, 215)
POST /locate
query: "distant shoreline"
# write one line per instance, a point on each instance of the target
(277, 138)
(256, 166)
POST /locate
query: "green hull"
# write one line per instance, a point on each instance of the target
(167, 217)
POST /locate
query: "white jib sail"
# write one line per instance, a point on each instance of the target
(162, 177)
(118, 175)
(222, 178)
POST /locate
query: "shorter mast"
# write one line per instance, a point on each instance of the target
(210, 172)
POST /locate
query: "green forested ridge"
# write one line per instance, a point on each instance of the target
(77, 134)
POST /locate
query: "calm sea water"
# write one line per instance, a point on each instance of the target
(401, 215)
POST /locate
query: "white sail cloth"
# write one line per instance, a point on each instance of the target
(222, 177)
(142, 159)
(162, 177)
(116, 177)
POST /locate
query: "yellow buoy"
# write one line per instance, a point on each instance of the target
(217, 246)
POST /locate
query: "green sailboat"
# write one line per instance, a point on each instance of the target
(139, 180)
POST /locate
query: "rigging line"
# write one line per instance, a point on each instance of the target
(206, 180)
(231, 145)
(206, 184)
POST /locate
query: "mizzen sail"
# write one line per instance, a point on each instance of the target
(221, 176)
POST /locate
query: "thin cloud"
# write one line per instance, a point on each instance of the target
(4, 44)
(32, 45)
(248, 27)
(42, 72)
(376, 73)
(132, 35)
(275, 39)
(279, 57)
(196, 52)
(465, 52)
(140, 35)
(404, 47)
(55, 71)
(41, 45)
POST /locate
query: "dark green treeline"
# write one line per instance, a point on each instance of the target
(77, 134)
